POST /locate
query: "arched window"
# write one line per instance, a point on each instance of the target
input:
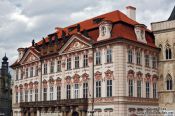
(168, 52)
(169, 83)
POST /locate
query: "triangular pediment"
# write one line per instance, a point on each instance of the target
(74, 44)
(29, 57)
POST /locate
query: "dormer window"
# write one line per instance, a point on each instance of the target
(104, 30)
(140, 32)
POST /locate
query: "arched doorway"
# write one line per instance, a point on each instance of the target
(75, 113)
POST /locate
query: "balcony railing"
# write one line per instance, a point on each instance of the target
(55, 103)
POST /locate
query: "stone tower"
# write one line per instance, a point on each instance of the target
(164, 32)
(5, 89)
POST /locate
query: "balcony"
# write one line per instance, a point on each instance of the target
(55, 103)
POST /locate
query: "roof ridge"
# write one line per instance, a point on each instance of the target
(172, 16)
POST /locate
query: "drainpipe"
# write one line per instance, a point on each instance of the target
(92, 80)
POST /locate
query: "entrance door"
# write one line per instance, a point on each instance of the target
(75, 114)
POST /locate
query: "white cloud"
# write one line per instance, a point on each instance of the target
(24, 20)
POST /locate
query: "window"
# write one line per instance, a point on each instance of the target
(138, 58)
(45, 68)
(31, 71)
(154, 62)
(68, 91)
(109, 88)
(76, 62)
(168, 53)
(139, 88)
(21, 96)
(109, 55)
(45, 94)
(131, 88)
(52, 67)
(154, 90)
(98, 88)
(17, 72)
(16, 97)
(85, 60)
(147, 89)
(26, 95)
(76, 90)
(27, 73)
(51, 93)
(36, 94)
(103, 30)
(147, 60)
(58, 66)
(36, 71)
(21, 74)
(129, 56)
(30, 95)
(169, 83)
(98, 58)
(85, 90)
(58, 92)
(68, 63)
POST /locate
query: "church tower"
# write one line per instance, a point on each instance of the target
(164, 32)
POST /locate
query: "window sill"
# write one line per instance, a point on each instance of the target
(108, 62)
(98, 64)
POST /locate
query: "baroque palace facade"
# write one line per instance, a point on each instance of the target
(104, 66)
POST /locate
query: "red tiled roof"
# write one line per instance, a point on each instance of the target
(114, 16)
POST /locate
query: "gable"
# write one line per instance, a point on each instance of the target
(29, 57)
(75, 44)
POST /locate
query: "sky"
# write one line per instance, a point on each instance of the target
(21, 21)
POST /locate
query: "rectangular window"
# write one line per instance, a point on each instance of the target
(51, 93)
(17, 72)
(98, 58)
(58, 92)
(85, 60)
(131, 88)
(147, 60)
(58, 66)
(45, 94)
(138, 58)
(76, 62)
(36, 71)
(45, 68)
(31, 95)
(147, 90)
(98, 88)
(36, 94)
(26, 95)
(139, 88)
(109, 56)
(68, 63)
(68, 91)
(27, 73)
(16, 97)
(85, 90)
(76, 91)
(129, 56)
(154, 62)
(52, 67)
(31, 71)
(21, 96)
(109, 88)
(21, 74)
(154, 90)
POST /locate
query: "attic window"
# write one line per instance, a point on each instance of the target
(103, 30)
(140, 32)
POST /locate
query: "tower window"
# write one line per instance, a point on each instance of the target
(169, 83)
(168, 53)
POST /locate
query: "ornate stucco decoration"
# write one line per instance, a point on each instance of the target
(98, 75)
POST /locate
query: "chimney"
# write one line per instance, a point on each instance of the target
(131, 12)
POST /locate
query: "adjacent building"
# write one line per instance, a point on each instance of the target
(164, 32)
(104, 66)
(5, 89)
